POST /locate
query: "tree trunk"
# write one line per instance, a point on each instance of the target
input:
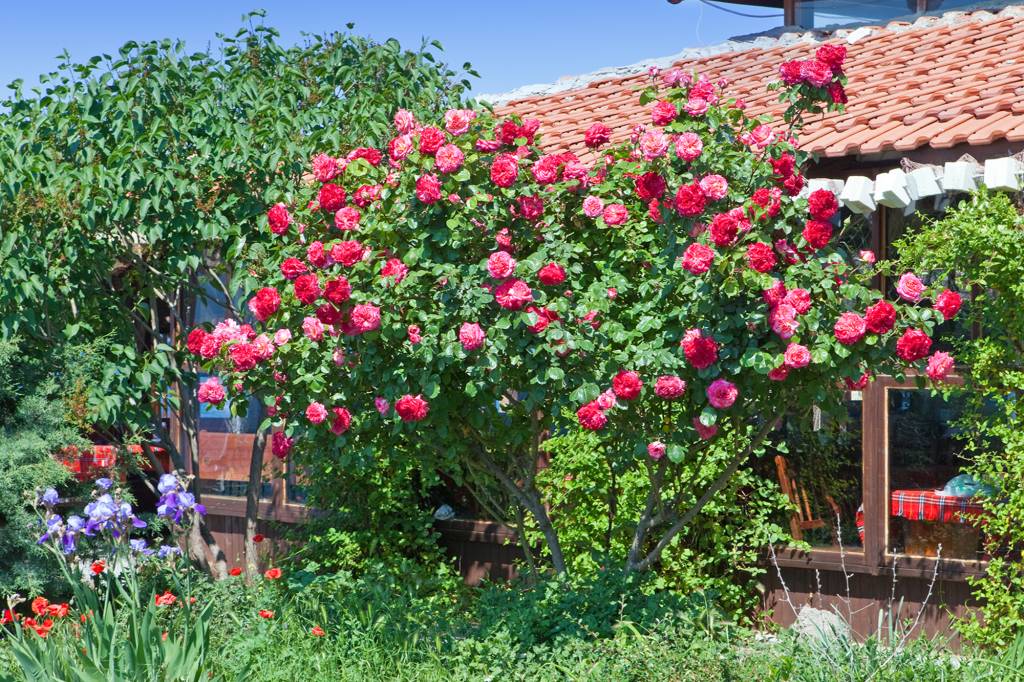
(252, 503)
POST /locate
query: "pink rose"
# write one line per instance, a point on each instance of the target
(428, 189)
(505, 170)
(715, 187)
(722, 394)
(607, 400)
(313, 328)
(663, 113)
(653, 144)
(211, 391)
(627, 385)
(940, 365)
(449, 159)
(850, 328)
(325, 168)
(867, 256)
(800, 299)
(342, 420)
(797, 356)
(382, 405)
(400, 147)
(501, 265)
(689, 146)
(779, 373)
(413, 332)
(615, 214)
(279, 218)
(782, 319)
(669, 387)
(393, 267)
(612, 293)
(364, 318)
(513, 294)
(910, 288)
(696, 106)
(282, 336)
(593, 206)
(656, 450)
(346, 218)
(405, 122)
(456, 121)
(697, 258)
(471, 336)
(316, 413)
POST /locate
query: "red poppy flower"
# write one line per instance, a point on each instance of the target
(98, 567)
(165, 599)
(257, 538)
(266, 614)
(272, 574)
(317, 631)
(236, 571)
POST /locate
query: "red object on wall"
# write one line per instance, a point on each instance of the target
(99, 459)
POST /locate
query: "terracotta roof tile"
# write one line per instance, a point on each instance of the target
(938, 82)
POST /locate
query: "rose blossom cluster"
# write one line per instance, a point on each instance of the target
(465, 256)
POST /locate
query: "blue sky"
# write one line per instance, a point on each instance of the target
(509, 43)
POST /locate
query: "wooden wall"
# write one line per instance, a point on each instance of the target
(867, 597)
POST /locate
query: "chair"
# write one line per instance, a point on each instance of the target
(805, 517)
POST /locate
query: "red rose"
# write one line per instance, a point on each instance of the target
(328, 314)
(627, 385)
(783, 166)
(244, 356)
(833, 55)
(791, 72)
(663, 113)
(615, 214)
(796, 356)
(880, 317)
(776, 294)
(531, 207)
(366, 195)
(265, 303)
(348, 253)
(279, 218)
(196, 337)
(337, 291)
(913, 345)
(760, 257)
(597, 135)
(412, 408)
(331, 197)
(669, 387)
(372, 156)
(724, 229)
(551, 274)
(428, 188)
(817, 233)
(431, 140)
(697, 258)
(818, 74)
(363, 318)
(545, 316)
(948, 303)
(347, 218)
(505, 170)
(793, 184)
(649, 186)
(822, 204)
(307, 288)
(292, 268)
(837, 93)
(690, 200)
(800, 299)
(316, 255)
(591, 417)
(700, 351)
(395, 269)
(849, 328)
(858, 385)
(513, 294)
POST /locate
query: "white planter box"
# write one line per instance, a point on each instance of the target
(891, 189)
(958, 176)
(923, 182)
(1002, 174)
(858, 195)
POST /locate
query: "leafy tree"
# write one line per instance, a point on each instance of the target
(980, 246)
(129, 186)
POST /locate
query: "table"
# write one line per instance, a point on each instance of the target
(926, 505)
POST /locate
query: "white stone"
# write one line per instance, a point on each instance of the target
(820, 626)
(958, 176)
(923, 182)
(891, 189)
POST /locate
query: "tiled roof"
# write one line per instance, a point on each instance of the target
(939, 82)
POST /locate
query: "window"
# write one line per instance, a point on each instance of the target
(822, 13)
(225, 450)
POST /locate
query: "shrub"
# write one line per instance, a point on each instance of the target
(457, 297)
(979, 245)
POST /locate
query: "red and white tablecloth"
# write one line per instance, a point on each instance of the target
(96, 460)
(926, 505)
(931, 505)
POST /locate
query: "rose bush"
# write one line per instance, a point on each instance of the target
(484, 292)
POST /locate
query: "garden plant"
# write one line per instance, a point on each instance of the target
(451, 297)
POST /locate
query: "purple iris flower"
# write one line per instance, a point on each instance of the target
(104, 483)
(49, 497)
(168, 550)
